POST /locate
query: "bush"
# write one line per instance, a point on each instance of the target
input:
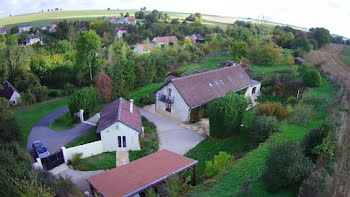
(272, 109)
(289, 60)
(314, 100)
(268, 90)
(299, 52)
(286, 166)
(311, 140)
(41, 92)
(77, 158)
(85, 98)
(301, 115)
(292, 100)
(147, 99)
(226, 114)
(68, 89)
(266, 80)
(312, 78)
(220, 163)
(28, 98)
(263, 127)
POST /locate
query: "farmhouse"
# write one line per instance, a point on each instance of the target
(2, 30)
(23, 28)
(195, 38)
(120, 126)
(119, 31)
(130, 20)
(179, 97)
(9, 92)
(115, 20)
(164, 40)
(53, 25)
(32, 39)
(136, 177)
(143, 48)
(42, 28)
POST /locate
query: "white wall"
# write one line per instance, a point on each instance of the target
(109, 137)
(250, 89)
(179, 109)
(15, 98)
(88, 150)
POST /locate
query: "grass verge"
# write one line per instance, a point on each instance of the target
(98, 162)
(63, 122)
(87, 138)
(28, 116)
(229, 182)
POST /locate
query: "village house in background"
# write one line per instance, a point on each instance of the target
(2, 30)
(195, 38)
(179, 97)
(33, 38)
(9, 92)
(53, 26)
(42, 28)
(119, 31)
(24, 28)
(125, 20)
(170, 40)
(120, 126)
(143, 48)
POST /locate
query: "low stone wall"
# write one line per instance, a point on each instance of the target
(88, 150)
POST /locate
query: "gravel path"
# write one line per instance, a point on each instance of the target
(54, 140)
(172, 136)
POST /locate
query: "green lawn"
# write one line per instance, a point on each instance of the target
(236, 145)
(87, 138)
(144, 91)
(207, 63)
(98, 162)
(229, 183)
(28, 116)
(345, 55)
(62, 123)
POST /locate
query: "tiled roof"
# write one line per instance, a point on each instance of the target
(146, 47)
(131, 18)
(119, 111)
(198, 36)
(165, 39)
(136, 176)
(54, 23)
(26, 25)
(121, 29)
(200, 88)
(2, 29)
(7, 90)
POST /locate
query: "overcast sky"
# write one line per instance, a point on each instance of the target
(333, 15)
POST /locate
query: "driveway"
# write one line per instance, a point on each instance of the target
(172, 136)
(54, 140)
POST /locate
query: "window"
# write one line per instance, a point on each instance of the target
(119, 141)
(168, 108)
(211, 85)
(229, 78)
(221, 82)
(216, 83)
(124, 141)
(169, 92)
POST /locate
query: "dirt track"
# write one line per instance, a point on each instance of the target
(336, 68)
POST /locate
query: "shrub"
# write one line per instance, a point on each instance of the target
(301, 115)
(28, 98)
(41, 92)
(267, 90)
(289, 60)
(314, 100)
(311, 140)
(263, 127)
(147, 99)
(68, 89)
(286, 166)
(299, 52)
(104, 86)
(220, 163)
(85, 98)
(292, 100)
(226, 114)
(266, 80)
(272, 109)
(173, 187)
(312, 78)
(76, 158)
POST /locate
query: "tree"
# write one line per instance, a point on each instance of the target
(263, 127)
(226, 114)
(2, 38)
(12, 39)
(239, 49)
(312, 78)
(9, 127)
(175, 21)
(321, 35)
(286, 166)
(265, 54)
(311, 140)
(64, 46)
(84, 98)
(87, 45)
(303, 43)
(104, 86)
(140, 15)
(61, 30)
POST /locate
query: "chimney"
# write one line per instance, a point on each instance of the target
(131, 105)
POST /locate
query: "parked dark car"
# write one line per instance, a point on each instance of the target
(40, 150)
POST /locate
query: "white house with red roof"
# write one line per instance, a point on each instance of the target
(53, 25)
(120, 126)
(130, 20)
(164, 40)
(119, 31)
(143, 48)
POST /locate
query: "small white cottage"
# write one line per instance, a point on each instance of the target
(9, 92)
(120, 126)
(180, 96)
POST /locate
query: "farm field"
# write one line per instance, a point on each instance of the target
(345, 55)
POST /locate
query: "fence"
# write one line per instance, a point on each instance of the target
(88, 150)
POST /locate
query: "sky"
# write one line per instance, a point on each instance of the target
(333, 15)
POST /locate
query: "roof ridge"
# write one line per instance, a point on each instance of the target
(120, 108)
(210, 71)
